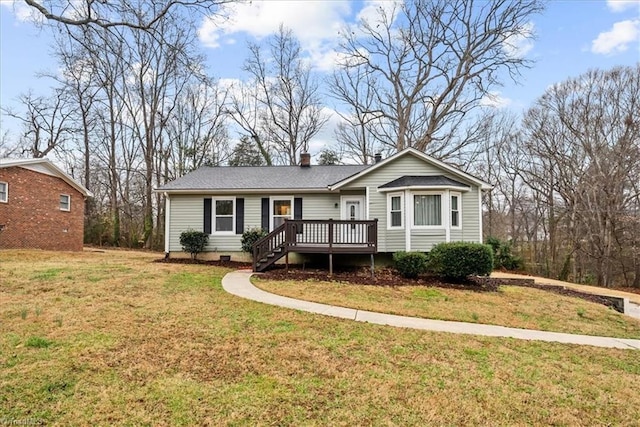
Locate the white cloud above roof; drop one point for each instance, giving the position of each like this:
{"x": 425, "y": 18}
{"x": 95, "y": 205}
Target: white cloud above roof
{"x": 622, "y": 5}
{"x": 495, "y": 100}
{"x": 316, "y": 24}
{"x": 520, "y": 43}
{"x": 618, "y": 38}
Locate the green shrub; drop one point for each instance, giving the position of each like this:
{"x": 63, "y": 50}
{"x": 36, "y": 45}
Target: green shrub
{"x": 410, "y": 264}
{"x": 502, "y": 256}
{"x": 251, "y": 236}
{"x": 458, "y": 260}
{"x": 193, "y": 242}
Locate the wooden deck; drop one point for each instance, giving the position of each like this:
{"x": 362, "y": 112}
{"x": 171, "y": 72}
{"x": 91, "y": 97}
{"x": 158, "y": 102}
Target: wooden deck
{"x": 316, "y": 236}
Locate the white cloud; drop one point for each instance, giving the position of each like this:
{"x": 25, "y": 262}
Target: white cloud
{"x": 373, "y": 9}
{"x": 311, "y": 22}
{"x": 315, "y": 24}
{"x": 618, "y": 39}
{"x": 518, "y": 44}
{"x": 622, "y": 5}
{"x": 495, "y": 100}
{"x": 22, "y": 11}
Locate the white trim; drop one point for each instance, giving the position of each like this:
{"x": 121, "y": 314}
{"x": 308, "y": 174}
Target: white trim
{"x": 6, "y": 192}
{"x": 446, "y": 219}
{"x": 167, "y": 222}
{"x": 459, "y": 196}
{"x": 443, "y": 199}
{"x": 212, "y": 191}
{"x": 7, "y": 163}
{"x": 420, "y": 155}
{"x": 424, "y": 188}
{"x": 214, "y": 216}
{"x": 367, "y": 200}
{"x": 480, "y": 215}
{"x": 408, "y": 215}
{"x": 343, "y": 202}
{"x": 402, "y": 212}
{"x": 271, "y": 200}
{"x": 68, "y": 196}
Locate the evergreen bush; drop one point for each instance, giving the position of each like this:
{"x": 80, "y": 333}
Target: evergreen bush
{"x": 458, "y": 260}
{"x": 251, "y": 236}
{"x": 193, "y": 242}
{"x": 410, "y": 264}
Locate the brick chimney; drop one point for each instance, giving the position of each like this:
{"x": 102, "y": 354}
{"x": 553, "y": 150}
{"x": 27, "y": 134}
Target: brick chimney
{"x": 378, "y": 157}
{"x": 305, "y": 160}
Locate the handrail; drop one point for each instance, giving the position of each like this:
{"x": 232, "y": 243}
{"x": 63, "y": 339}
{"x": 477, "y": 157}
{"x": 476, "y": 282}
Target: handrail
{"x": 266, "y": 243}
{"x": 316, "y": 235}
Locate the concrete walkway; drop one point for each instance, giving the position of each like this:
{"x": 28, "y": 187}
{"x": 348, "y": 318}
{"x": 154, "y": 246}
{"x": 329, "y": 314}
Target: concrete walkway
{"x": 238, "y": 283}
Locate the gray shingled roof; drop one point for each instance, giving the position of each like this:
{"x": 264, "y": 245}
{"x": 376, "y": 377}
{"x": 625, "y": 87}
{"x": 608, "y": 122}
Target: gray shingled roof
{"x": 423, "y": 181}
{"x": 262, "y": 177}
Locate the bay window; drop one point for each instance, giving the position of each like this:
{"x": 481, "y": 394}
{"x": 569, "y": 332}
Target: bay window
{"x": 427, "y": 210}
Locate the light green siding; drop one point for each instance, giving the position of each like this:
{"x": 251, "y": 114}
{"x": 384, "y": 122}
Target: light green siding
{"x": 421, "y": 240}
{"x": 187, "y": 212}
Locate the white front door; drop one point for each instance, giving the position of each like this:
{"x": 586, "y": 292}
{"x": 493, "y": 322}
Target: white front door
{"x": 353, "y": 209}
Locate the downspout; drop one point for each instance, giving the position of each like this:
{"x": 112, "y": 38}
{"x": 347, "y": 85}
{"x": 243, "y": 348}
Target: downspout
{"x": 167, "y": 225}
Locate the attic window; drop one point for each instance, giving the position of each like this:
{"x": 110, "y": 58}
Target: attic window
{"x": 65, "y": 202}
{"x": 4, "y": 192}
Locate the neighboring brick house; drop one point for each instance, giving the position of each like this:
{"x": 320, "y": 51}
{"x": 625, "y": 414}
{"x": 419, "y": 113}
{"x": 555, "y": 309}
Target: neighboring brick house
{"x": 41, "y": 207}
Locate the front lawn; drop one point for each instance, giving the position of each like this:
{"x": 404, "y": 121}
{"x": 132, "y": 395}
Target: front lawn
{"x": 113, "y": 338}
{"x": 513, "y": 306}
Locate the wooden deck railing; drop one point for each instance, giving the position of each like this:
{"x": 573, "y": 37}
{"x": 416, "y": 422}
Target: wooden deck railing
{"x": 316, "y": 236}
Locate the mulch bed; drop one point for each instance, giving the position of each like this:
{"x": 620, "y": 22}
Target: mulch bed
{"x": 390, "y": 277}
{"x": 217, "y": 263}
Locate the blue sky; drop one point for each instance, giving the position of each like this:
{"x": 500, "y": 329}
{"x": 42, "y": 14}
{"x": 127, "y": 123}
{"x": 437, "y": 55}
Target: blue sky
{"x": 573, "y": 36}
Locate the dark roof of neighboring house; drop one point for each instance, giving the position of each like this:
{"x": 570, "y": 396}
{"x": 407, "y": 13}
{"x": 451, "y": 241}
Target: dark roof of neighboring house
{"x": 314, "y": 177}
{"x": 423, "y": 181}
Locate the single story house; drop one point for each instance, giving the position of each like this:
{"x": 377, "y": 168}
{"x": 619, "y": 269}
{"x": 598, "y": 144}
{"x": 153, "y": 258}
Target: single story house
{"x": 41, "y": 207}
{"x": 406, "y": 202}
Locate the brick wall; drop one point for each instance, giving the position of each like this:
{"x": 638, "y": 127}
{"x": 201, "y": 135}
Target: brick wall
{"x": 32, "y": 217}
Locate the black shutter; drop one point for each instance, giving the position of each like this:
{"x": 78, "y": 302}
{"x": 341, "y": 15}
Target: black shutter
{"x": 239, "y": 216}
{"x": 297, "y": 208}
{"x": 265, "y": 213}
{"x": 207, "y": 216}
{"x": 297, "y": 212}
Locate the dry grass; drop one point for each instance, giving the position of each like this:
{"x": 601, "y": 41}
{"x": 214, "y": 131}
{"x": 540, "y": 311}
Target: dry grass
{"x": 512, "y": 306}
{"x": 117, "y": 339}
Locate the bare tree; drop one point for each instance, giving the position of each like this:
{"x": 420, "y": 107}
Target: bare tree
{"x": 290, "y": 110}
{"x": 429, "y": 63}
{"x": 46, "y": 123}
{"x": 133, "y": 14}
{"x": 583, "y": 146}
{"x": 197, "y": 129}
{"x": 356, "y": 87}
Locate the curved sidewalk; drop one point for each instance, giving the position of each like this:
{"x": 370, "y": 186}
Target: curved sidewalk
{"x": 238, "y": 283}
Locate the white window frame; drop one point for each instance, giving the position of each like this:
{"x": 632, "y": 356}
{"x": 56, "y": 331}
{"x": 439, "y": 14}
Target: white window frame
{"x": 214, "y": 216}
{"x": 68, "y": 196}
{"x": 273, "y": 199}
{"x": 402, "y": 215}
{"x": 443, "y": 222}
{"x": 6, "y": 192}
{"x": 453, "y": 194}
